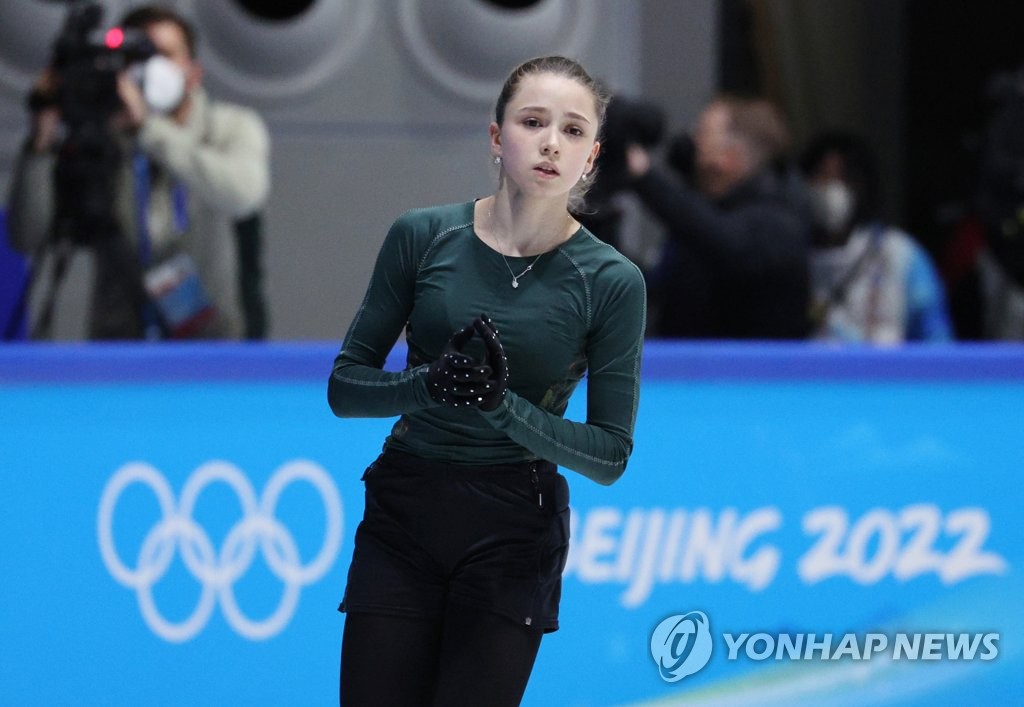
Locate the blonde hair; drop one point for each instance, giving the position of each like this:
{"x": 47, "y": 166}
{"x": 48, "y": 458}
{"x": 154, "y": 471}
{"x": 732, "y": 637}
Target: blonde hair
{"x": 759, "y": 124}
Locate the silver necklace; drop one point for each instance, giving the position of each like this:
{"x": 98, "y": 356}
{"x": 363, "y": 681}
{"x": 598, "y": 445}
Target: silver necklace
{"x": 515, "y": 278}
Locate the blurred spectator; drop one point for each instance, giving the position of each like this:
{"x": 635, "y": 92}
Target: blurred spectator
{"x": 738, "y": 228}
{"x": 160, "y": 187}
{"x": 870, "y": 281}
{"x": 1000, "y": 208}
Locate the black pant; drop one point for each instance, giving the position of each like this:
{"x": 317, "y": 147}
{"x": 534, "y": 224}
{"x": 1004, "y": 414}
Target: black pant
{"x": 469, "y": 657}
{"x": 455, "y": 576}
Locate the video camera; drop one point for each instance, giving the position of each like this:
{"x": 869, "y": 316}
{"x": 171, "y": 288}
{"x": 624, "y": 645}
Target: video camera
{"x": 87, "y": 66}
{"x": 627, "y": 121}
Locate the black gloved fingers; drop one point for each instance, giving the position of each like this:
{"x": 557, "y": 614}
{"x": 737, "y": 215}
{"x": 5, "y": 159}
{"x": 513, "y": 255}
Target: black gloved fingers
{"x": 458, "y": 360}
{"x": 460, "y": 339}
{"x": 495, "y": 351}
{"x": 470, "y": 369}
{"x": 455, "y": 379}
{"x": 467, "y": 388}
{"x": 486, "y": 319}
{"x": 487, "y": 331}
{"x": 498, "y": 384}
{"x": 446, "y": 380}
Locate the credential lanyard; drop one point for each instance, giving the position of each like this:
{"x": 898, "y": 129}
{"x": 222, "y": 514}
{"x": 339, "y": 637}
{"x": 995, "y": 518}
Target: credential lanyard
{"x": 179, "y": 204}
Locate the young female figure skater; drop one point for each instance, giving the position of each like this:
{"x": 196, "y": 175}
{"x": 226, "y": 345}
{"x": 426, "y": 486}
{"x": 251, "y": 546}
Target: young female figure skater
{"x": 456, "y": 571}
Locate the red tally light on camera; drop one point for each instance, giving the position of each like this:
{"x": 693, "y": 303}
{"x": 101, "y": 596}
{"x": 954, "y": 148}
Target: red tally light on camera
{"x": 114, "y": 38}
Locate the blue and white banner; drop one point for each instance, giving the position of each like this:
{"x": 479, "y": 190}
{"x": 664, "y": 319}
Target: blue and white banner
{"x": 798, "y": 525}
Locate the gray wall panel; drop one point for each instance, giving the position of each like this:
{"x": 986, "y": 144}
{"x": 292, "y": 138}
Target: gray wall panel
{"x": 332, "y": 205}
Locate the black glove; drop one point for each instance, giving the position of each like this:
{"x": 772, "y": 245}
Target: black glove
{"x": 497, "y": 383}
{"x": 455, "y": 379}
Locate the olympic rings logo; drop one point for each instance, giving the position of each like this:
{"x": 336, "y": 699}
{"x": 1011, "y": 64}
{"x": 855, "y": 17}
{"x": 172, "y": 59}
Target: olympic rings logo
{"x": 217, "y": 572}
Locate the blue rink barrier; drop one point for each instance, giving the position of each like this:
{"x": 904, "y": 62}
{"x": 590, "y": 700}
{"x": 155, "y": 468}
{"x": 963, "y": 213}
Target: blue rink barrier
{"x": 798, "y": 525}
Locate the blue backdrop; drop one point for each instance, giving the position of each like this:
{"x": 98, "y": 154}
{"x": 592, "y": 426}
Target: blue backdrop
{"x": 179, "y": 523}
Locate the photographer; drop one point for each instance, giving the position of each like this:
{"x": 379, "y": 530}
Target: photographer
{"x": 172, "y": 174}
{"x": 736, "y": 266}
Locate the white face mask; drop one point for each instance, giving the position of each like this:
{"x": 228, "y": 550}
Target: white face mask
{"x": 163, "y": 84}
{"x": 833, "y": 205}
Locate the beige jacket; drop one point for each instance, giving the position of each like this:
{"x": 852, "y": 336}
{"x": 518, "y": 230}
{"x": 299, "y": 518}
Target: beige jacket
{"x": 221, "y": 158}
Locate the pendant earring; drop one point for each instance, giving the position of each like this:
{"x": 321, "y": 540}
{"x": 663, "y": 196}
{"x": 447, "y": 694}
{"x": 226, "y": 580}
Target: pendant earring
{"x": 497, "y": 160}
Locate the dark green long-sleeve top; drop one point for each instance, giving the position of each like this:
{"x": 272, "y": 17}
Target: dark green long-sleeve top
{"x": 581, "y": 309}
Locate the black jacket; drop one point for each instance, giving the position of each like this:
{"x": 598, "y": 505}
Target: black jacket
{"x": 736, "y": 268}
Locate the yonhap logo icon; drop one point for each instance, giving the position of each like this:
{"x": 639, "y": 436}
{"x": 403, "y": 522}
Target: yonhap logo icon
{"x": 681, "y": 645}
{"x": 217, "y": 571}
